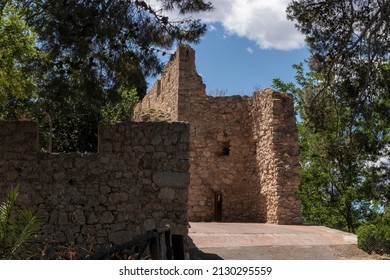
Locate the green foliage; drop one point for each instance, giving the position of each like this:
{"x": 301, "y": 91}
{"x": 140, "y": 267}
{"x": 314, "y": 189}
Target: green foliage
{"x": 74, "y": 129}
{"x": 19, "y": 57}
{"x": 122, "y": 110}
{"x": 341, "y": 143}
{"x": 375, "y": 236}
{"x": 97, "y": 47}
{"x": 344, "y": 104}
{"x": 96, "y": 54}
{"x": 15, "y": 230}
{"x": 343, "y": 34}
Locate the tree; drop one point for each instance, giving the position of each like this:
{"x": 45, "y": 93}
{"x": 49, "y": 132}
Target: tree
{"x": 374, "y": 236}
{"x": 98, "y": 49}
{"x": 343, "y": 34}
{"x": 344, "y": 103}
{"x": 102, "y": 45}
{"x": 19, "y": 57}
{"x": 341, "y": 183}
{"x": 121, "y": 111}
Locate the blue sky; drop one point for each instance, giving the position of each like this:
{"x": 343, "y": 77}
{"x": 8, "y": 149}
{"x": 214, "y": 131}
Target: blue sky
{"x": 247, "y": 45}
{"x": 238, "y": 65}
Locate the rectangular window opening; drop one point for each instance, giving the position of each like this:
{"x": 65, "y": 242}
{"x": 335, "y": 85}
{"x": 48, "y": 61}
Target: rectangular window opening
{"x": 224, "y": 149}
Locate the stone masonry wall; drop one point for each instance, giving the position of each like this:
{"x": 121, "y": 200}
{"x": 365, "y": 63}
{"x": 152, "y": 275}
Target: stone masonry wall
{"x": 136, "y": 182}
{"x": 272, "y": 114}
{"x": 222, "y": 155}
{"x": 222, "y": 160}
{"x": 161, "y": 103}
{"x": 242, "y": 149}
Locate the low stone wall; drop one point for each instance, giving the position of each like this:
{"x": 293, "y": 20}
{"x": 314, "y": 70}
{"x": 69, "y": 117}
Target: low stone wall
{"x": 137, "y": 181}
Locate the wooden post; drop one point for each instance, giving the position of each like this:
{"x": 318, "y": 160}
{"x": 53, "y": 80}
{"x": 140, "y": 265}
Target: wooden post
{"x": 154, "y": 248}
{"x": 163, "y": 247}
{"x": 168, "y": 244}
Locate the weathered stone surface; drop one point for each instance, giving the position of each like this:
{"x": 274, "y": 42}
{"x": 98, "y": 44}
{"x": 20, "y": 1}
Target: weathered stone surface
{"x": 78, "y": 217}
{"x": 149, "y": 224}
{"x": 92, "y": 219}
{"x": 106, "y": 218}
{"x": 119, "y": 237}
{"x": 63, "y": 219}
{"x": 171, "y": 179}
{"x": 100, "y": 198}
{"x": 166, "y": 194}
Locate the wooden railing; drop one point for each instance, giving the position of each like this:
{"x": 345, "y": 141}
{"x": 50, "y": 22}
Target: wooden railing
{"x": 156, "y": 244}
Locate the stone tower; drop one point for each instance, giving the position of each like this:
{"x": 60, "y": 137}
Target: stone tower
{"x": 243, "y": 150}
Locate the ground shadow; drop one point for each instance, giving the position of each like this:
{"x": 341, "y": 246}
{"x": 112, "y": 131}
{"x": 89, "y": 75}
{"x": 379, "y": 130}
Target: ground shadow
{"x": 197, "y": 254}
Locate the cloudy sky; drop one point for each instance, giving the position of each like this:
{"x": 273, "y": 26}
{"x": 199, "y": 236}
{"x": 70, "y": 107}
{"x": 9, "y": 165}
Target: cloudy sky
{"x": 248, "y": 43}
{"x": 262, "y": 21}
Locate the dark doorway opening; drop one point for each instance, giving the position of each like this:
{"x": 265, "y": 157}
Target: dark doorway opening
{"x": 218, "y": 206}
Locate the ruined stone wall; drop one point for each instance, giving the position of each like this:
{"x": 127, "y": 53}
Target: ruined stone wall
{"x": 222, "y": 160}
{"x": 161, "y": 102}
{"x": 273, "y": 119}
{"x": 243, "y": 149}
{"x": 168, "y": 100}
{"x": 137, "y": 181}
{"x": 216, "y": 123}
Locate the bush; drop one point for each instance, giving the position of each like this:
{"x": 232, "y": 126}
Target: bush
{"x": 375, "y": 237}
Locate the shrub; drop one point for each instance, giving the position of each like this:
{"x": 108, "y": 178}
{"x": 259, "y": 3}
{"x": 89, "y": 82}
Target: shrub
{"x": 375, "y": 237}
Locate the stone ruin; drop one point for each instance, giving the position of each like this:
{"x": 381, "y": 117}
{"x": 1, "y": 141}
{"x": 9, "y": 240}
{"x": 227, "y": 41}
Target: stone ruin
{"x": 244, "y": 164}
{"x": 192, "y": 158}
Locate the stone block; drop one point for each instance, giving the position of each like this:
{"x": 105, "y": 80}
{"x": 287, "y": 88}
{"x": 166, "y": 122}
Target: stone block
{"x": 78, "y": 217}
{"x": 92, "y": 219}
{"x": 63, "y": 218}
{"x": 171, "y": 179}
{"x": 119, "y": 237}
{"x": 166, "y": 194}
{"x": 148, "y": 224}
{"x": 106, "y": 218}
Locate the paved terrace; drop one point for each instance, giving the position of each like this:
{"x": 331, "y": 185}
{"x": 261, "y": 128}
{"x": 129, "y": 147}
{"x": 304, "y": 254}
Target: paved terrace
{"x": 269, "y": 241}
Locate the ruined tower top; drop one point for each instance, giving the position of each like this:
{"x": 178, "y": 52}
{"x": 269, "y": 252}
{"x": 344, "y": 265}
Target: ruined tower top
{"x": 171, "y": 94}
{"x": 184, "y": 55}
{"x": 189, "y": 81}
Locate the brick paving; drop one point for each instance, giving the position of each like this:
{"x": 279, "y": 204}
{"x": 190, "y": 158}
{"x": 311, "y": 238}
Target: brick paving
{"x": 230, "y": 235}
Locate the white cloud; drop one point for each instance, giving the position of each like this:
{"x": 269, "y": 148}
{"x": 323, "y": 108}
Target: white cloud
{"x": 262, "y": 21}
{"x": 249, "y": 50}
